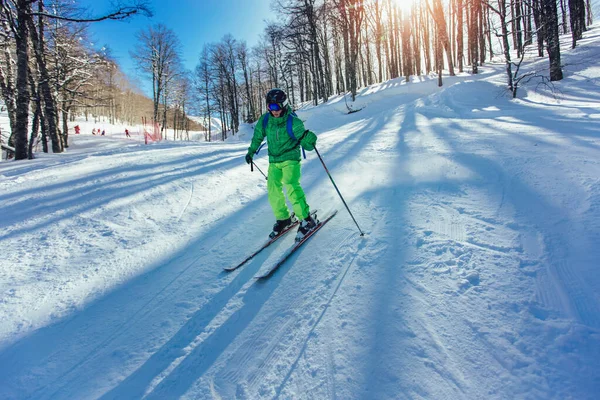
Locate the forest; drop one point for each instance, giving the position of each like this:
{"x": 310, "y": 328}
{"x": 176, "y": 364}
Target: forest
{"x": 51, "y": 72}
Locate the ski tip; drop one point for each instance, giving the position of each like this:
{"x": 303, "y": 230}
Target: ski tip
{"x": 329, "y": 215}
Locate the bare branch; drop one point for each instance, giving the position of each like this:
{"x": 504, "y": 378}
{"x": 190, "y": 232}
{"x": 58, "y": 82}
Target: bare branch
{"x": 121, "y": 13}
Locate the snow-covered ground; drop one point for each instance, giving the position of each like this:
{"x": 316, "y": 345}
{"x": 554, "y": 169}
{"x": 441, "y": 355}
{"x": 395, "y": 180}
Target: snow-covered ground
{"x": 477, "y": 277}
{"x": 216, "y": 130}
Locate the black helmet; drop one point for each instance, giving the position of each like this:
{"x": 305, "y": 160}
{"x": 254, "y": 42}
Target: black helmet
{"x": 276, "y": 100}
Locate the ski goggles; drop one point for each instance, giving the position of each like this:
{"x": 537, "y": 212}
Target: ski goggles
{"x": 274, "y": 107}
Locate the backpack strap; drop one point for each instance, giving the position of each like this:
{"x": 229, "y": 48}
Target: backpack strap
{"x": 261, "y": 146}
{"x": 290, "y": 130}
{"x": 264, "y": 124}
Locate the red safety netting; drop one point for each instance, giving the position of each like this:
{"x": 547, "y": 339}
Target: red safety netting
{"x": 151, "y": 131}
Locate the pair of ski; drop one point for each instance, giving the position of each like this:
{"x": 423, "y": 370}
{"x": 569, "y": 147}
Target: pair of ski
{"x": 269, "y": 271}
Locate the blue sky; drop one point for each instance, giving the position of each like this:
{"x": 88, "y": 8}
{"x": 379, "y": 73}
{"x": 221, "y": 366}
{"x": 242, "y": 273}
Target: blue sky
{"x": 195, "y": 22}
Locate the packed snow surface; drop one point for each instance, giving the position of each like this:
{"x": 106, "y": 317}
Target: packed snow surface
{"x": 477, "y": 277}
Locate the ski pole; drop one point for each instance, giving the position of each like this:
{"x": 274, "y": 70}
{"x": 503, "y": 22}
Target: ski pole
{"x": 338, "y": 192}
{"x": 252, "y": 169}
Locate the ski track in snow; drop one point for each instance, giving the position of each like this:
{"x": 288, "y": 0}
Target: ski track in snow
{"x": 476, "y": 278}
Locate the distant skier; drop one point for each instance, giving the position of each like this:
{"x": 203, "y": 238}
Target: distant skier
{"x": 77, "y": 129}
{"x": 285, "y": 134}
{"x": 102, "y": 132}
{"x": 127, "y": 133}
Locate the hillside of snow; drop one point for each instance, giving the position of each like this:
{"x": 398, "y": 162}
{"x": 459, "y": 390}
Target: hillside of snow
{"x": 476, "y": 279}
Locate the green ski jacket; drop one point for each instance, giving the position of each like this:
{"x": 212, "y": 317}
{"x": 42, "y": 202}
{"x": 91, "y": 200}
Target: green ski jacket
{"x": 281, "y": 146}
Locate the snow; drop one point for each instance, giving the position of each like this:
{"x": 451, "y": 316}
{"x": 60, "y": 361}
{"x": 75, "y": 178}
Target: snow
{"x": 477, "y": 276}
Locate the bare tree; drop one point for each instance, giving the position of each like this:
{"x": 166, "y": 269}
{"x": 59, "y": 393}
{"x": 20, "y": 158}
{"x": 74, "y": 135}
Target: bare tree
{"x": 437, "y": 13}
{"x": 20, "y": 19}
{"x": 351, "y": 14}
{"x": 577, "y": 9}
{"x": 157, "y": 54}
{"x": 322, "y": 46}
{"x": 242, "y": 55}
{"x": 181, "y": 95}
{"x": 202, "y": 84}
{"x": 501, "y": 12}
{"x": 459, "y": 11}
{"x": 550, "y": 21}
{"x": 231, "y": 61}
{"x": 7, "y": 64}
{"x": 70, "y": 63}
{"x": 374, "y": 15}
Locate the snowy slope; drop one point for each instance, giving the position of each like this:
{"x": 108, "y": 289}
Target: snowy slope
{"x": 476, "y": 279}
{"x": 216, "y": 130}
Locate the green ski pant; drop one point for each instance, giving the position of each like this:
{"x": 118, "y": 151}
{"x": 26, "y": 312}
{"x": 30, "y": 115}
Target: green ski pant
{"x": 286, "y": 173}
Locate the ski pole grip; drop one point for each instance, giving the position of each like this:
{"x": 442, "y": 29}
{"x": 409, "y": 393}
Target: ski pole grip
{"x": 251, "y": 166}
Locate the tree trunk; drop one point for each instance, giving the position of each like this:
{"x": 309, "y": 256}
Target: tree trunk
{"x": 539, "y": 26}
{"x": 426, "y": 42}
{"x": 460, "y": 49}
{"x": 251, "y": 111}
{"x": 36, "y": 116}
{"x": 378, "y": 35}
{"x": 564, "y": 16}
{"x": 439, "y": 57}
{"x": 473, "y": 36}
{"x": 416, "y": 46}
{"x": 518, "y": 24}
{"x": 506, "y": 43}
{"x": 19, "y": 135}
{"x": 406, "y": 48}
{"x": 438, "y": 15}
{"x": 324, "y": 48}
{"x": 391, "y": 44}
{"x": 65, "y": 122}
{"x": 7, "y": 78}
{"x": 577, "y": 19}
{"x": 527, "y": 22}
{"x": 50, "y": 109}
{"x": 552, "y": 38}
{"x": 482, "y": 26}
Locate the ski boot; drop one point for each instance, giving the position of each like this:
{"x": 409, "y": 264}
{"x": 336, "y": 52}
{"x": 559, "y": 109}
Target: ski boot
{"x": 281, "y": 225}
{"x": 307, "y": 225}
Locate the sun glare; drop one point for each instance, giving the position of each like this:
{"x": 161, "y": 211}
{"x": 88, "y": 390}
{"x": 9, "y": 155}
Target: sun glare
{"x": 405, "y": 5}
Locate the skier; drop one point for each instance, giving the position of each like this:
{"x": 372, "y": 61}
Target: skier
{"x": 284, "y": 139}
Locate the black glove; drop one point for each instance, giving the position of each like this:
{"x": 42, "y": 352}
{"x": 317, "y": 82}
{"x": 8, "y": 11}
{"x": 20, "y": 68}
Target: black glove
{"x": 248, "y": 158}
